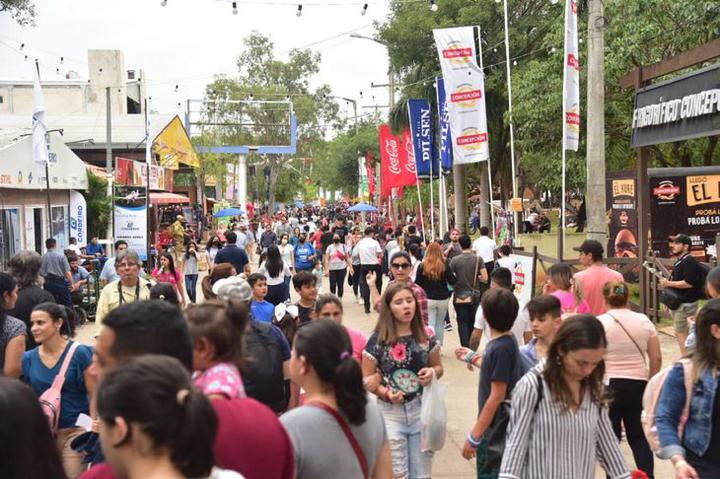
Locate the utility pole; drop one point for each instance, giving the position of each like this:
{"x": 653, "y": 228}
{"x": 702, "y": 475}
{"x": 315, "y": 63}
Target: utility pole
{"x": 595, "y": 194}
{"x": 108, "y": 159}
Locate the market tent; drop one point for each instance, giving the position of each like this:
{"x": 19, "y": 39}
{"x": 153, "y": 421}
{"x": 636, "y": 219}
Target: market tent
{"x": 162, "y": 198}
{"x": 362, "y": 208}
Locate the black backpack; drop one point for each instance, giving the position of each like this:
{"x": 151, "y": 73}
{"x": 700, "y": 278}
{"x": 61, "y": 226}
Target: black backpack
{"x": 263, "y": 372}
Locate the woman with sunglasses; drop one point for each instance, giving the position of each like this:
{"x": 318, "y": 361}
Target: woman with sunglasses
{"x": 401, "y": 269}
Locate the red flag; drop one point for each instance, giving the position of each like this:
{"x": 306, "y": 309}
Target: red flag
{"x": 369, "y": 160}
{"x": 390, "y": 170}
{"x": 408, "y": 177}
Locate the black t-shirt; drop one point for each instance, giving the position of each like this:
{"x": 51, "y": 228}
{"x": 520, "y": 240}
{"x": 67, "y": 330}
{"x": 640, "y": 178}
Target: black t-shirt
{"x": 27, "y": 299}
{"x": 325, "y": 240}
{"x": 303, "y": 313}
{"x": 501, "y": 362}
{"x": 410, "y": 239}
{"x": 688, "y": 269}
{"x": 341, "y": 231}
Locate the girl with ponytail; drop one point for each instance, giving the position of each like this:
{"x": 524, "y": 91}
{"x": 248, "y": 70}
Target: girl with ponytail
{"x": 337, "y": 421}
{"x": 561, "y": 284}
{"x": 154, "y": 424}
{"x": 217, "y": 333}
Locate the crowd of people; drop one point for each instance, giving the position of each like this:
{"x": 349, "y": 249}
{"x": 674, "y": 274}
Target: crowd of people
{"x": 229, "y": 377}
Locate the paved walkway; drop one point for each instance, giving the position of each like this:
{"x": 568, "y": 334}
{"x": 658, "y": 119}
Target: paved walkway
{"x": 462, "y": 394}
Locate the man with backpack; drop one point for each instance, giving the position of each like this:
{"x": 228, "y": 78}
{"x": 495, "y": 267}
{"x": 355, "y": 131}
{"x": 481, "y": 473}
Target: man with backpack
{"x": 686, "y": 286}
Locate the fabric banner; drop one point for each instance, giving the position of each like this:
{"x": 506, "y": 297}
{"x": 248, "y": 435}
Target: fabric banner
{"x": 369, "y": 165}
{"x": 78, "y": 218}
{"x": 445, "y": 146}
{"x": 465, "y": 87}
{"x": 134, "y": 173}
{"x": 173, "y": 145}
{"x": 130, "y": 217}
{"x": 571, "y": 83}
{"x": 363, "y": 190}
{"x": 39, "y": 129}
{"x": 423, "y": 138}
{"x": 523, "y": 274}
{"x": 408, "y": 175}
{"x": 389, "y": 161}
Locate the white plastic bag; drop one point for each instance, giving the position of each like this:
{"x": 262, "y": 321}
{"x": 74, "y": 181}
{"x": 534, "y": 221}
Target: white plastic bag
{"x": 433, "y": 416}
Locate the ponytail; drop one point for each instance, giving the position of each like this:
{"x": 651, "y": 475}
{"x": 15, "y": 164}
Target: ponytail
{"x": 59, "y": 312}
{"x": 328, "y": 349}
{"x": 154, "y": 392}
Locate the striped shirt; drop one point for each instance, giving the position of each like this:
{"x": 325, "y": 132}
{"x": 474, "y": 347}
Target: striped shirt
{"x": 558, "y": 444}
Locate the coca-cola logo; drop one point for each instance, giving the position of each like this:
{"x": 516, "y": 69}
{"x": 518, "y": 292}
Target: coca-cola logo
{"x": 391, "y": 148}
{"x": 410, "y": 164}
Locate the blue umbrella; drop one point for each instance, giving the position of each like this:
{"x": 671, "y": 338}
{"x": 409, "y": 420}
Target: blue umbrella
{"x": 229, "y": 212}
{"x": 362, "y": 208}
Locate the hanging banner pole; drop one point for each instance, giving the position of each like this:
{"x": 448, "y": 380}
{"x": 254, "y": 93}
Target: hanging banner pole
{"x": 510, "y": 117}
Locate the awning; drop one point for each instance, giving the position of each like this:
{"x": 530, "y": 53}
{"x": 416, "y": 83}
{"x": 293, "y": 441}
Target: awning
{"x": 167, "y": 198}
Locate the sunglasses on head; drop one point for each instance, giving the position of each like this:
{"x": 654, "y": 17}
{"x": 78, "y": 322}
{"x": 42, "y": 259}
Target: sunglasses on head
{"x": 400, "y": 265}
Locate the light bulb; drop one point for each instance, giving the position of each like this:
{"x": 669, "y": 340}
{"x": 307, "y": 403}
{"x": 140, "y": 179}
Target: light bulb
{"x": 234, "y": 9}
{"x": 515, "y": 63}
{"x": 299, "y": 11}
{"x": 364, "y": 9}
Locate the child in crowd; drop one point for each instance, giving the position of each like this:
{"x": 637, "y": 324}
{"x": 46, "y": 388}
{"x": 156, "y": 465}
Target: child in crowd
{"x": 507, "y": 261}
{"x": 216, "y": 332}
{"x": 285, "y": 318}
{"x": 545, "y": 318}
{"x": 260, "y": 309}
{"x": 165, "y": 292}
{"x": 318, "y": 272}
{"x": 305, "y": 284}
{"x": 502, "y": 367}
{"x": 561, "y": 284}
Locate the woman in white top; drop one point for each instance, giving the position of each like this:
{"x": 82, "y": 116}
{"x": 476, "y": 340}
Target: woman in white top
{"x": 559, "y": 424}
{"x": 212, "y": 247}
{"x": 633, "y": 355}
{"x": 275, "y": 271}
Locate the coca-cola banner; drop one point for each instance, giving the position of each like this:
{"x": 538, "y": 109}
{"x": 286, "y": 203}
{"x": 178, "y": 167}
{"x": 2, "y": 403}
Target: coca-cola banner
{"x": 465, "y": 89}
{"x": 408, "y": 172}
{"x": 389, "y": 161}
{"x": 369, "y": 165}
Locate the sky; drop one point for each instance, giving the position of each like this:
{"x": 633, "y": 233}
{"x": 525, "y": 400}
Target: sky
{"x": 186, "y": 42}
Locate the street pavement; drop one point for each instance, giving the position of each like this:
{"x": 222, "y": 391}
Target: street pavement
{"x": 461, "y": 400}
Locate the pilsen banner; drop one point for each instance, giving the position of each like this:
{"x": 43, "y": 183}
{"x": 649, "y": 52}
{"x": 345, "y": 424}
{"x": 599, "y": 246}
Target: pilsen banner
{"x": 679, "y": 109}
{"x": 465, "y": 85}
{"x": 394, "y": 165}
{"x": 571, "y": 79}
{"x": 445, "y": 147}
{"x": 423, "y": 138}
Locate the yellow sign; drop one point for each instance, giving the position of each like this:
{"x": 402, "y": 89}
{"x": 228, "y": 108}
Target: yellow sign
{"x": 703, "y": 189}
{"x": 173, "y": 146}
{"x": 516, "y": 205}
{"x": 623, "y": 188}
{"x": 210, "y": 180}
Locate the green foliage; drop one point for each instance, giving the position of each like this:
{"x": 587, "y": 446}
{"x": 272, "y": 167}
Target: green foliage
{"x": 22, "y": 11}
{"x": 637, "y": 32}
{"x": 99, "y": 206}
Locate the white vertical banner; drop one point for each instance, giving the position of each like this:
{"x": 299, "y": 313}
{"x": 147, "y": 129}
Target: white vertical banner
{"x": 465, "y": 90}
{"x": 39, "y": 129}
{"x": 78, "y": 217}
{"x": 571, "y": 79}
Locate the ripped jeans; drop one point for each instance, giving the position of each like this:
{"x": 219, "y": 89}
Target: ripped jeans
{"x": 402, "y": 422}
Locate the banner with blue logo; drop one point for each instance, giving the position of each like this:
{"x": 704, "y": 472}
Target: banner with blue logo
{"x": 445, "y": 146}
{"x": 423, "y": 138}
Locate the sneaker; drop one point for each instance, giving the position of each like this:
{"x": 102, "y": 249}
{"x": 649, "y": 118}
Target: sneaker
{"x": 448, "y": 327}
{"x": 360, "y": 301}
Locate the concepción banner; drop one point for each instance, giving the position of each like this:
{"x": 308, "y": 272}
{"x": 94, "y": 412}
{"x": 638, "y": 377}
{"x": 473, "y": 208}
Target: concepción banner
{"x": 423, "y": 138}
{"x": 465, "y": 87}
{"x": 571, "y": 79}
{"x": 130, "y": 217}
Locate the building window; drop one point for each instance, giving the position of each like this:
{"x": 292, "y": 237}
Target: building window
{"x": 9, "y": 234}
{"x": 60, "y": 226}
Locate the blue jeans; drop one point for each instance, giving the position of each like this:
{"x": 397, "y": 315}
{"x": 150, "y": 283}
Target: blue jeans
{"x": 402, "y": 422}
{"x": 191, "y": 286}
{"x": 437, "y": 310}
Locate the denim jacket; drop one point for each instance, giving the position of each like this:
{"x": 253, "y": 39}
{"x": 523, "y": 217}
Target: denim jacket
{"x": 696, "y": 436}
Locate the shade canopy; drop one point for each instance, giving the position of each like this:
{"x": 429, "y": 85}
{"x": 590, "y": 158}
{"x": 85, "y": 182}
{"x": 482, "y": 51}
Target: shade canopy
{"x": 362, "y": 208}
{"x": 229, "y": 212}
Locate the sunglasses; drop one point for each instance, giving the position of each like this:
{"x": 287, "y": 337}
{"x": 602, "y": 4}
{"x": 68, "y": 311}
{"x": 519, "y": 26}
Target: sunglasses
{"x": 400, "y": 265}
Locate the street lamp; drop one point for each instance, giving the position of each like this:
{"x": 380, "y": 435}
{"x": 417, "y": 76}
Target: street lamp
{"x": 391, "y": 75}
{"x": 354, "y": 104}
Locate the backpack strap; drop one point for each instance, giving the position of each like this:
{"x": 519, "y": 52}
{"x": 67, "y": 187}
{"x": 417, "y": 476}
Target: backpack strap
{"x": 348, "y": 433}
{"x": 60, "y": 378}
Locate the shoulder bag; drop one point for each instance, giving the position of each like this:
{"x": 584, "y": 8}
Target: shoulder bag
{"x": 50, "y": 400}
{"x": 630, "y": 336}
{"x": 359, "y": 454}
{"x": 475, "y": 295}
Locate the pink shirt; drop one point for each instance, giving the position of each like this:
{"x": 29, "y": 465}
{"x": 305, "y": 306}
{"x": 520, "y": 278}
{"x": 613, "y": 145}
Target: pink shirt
{"x": 592, "y": 279}
{"x": 358, "y": 340}
{"x": 623, "y": 360}
{"x": 223, "y": 379}
{"x": 568, "y": 303}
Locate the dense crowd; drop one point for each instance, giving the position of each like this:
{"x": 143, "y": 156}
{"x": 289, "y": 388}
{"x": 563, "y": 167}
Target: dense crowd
{"x": 246, "y": 383}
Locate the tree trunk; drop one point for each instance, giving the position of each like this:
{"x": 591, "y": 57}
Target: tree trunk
{"x": 460, "y": 197}
{"x": 484, "y": 197}
{"x": 709, "y": 150}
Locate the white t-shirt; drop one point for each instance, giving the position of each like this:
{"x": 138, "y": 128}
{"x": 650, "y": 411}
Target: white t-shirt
{"x": 75, "y": 249}
{"x": 286, "y": 251}
{"x": 368, "y": 250}
{"x": 280, "y": 279}
{"x": 485, "y": 248}
{"x": 508, "y": 262}
{"x": 520, "y": 326}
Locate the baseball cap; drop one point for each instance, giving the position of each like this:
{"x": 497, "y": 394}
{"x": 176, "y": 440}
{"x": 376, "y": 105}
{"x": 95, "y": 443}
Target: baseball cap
{"x": 682, "y": 239}
{"x": 234, "y": 287}
{"x": 590, "y": 246}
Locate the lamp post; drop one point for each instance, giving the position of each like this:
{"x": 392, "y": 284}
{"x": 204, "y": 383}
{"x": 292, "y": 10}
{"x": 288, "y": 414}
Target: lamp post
{"x": 391, "y": 74}
{"x": 354, "y": 104}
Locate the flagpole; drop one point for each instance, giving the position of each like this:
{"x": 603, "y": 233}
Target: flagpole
{"x": 422, "y": 221}
{"x": 561, "y": 233}
{"x": 148, "y": 163}
{"x": 512, "y": 154}
{"x": 432, "y": 203}
{"x": 510, "y": 118}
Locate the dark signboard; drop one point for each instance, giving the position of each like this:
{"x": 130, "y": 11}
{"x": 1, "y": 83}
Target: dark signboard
{"x": 684, "y": 200}
{"x": 679, "y": 109}
{"x": 622, "y": 215}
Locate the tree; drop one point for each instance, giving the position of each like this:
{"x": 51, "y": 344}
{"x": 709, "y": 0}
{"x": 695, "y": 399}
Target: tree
{"x": 98, "y": 206}
{"x": 261, "y": 76}
{"x": 22, "y": 11}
